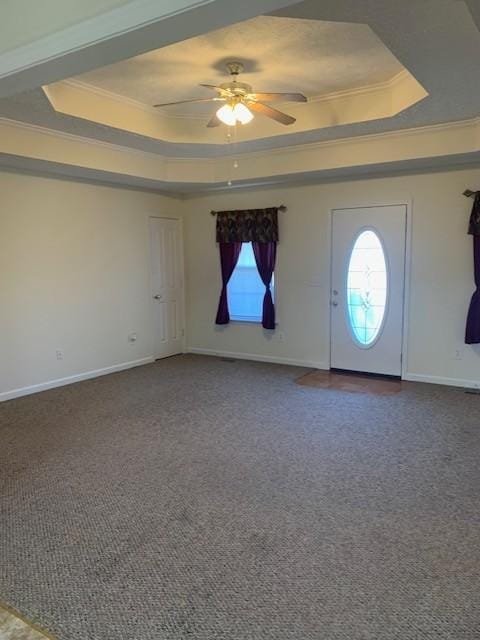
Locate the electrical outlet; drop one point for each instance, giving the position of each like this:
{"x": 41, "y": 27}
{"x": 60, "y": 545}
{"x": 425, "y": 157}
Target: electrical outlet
{"x": 132, "y": 337}
{"x": 59, "y": 354}
{"x": 458, "y": 355}
{"x": 280, "y": 336}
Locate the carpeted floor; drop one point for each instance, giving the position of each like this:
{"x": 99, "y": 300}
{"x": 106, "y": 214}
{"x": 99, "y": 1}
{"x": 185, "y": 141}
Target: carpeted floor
{"x": 203, "y": 499}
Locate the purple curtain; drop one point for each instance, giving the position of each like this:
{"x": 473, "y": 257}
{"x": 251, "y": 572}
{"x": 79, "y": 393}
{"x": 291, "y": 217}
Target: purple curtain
{"x": 265, "y": 254}
{"x": 472, "y": 333}
{"x": 229, "y": 253}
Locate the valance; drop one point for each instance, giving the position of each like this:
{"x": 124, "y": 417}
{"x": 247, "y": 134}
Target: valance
{"x": 249, "y": 225}
{"x": 474, "y": 227}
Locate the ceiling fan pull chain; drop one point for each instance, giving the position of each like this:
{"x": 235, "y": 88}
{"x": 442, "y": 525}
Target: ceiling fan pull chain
{"x": 232, "y": 140}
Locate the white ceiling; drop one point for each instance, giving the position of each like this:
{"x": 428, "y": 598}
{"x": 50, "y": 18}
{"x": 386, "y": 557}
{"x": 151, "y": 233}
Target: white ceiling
{"x": 437, "y": 41}
{"x": 279, "y": 54}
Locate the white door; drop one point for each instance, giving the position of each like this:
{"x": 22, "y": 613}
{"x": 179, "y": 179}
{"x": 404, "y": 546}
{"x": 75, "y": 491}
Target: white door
{"x": 368, "y": 276}
{"x": 167, "y": 286}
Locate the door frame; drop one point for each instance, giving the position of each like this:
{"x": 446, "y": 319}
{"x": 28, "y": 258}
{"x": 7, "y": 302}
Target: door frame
{"x": 182, "y": 263}
{"x": 408, "y": 204}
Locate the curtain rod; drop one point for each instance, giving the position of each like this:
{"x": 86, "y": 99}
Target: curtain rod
{"x": 282, "y": 207}
{"x": 469, "y": 193}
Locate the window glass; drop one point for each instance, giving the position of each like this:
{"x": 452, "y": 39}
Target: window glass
{"x": 367, "y": 287}
{"x": 246, "y": 289}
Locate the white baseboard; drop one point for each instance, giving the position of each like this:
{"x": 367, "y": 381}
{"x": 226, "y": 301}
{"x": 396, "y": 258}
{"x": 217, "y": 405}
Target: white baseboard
{"x": 449, "y": 382}
{"x": 412, "y": 377}
{"x": 258, "y": 358}
{"x": 60, "y": 382}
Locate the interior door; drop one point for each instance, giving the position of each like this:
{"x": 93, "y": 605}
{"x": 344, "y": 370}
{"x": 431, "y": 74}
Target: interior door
{"x": 367, "y": 289}
{"x": 167, "y": 286}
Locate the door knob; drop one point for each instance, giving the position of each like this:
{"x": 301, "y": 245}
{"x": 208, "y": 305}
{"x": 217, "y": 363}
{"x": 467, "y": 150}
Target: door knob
{"x": 157, "y": 297}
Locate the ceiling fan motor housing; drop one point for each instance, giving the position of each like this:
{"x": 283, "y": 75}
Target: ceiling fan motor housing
{"x": 234, "y": 68}
{"x": 238, "y": 88}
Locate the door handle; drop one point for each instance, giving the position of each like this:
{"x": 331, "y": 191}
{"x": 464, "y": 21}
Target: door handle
{"x": 157, "y": 297}
{"x": 334, "y": 303}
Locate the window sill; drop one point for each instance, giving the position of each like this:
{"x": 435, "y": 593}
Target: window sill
{"x": 245, "y": 320}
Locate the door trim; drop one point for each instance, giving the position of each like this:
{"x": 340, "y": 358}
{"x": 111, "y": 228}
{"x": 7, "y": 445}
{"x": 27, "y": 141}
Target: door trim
{"x": 182, "y": 264}
{"x": 408, "y": 204}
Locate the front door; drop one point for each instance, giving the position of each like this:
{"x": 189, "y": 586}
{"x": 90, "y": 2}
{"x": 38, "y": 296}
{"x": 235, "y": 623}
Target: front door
{"x": 367, "y": 289}
{"x": 167, "y": 286}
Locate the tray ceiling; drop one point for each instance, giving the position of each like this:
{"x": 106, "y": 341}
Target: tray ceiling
{"x": 345, "y": 70}
{"x": 357, "y": 77}
{"x": 279, "y": 54}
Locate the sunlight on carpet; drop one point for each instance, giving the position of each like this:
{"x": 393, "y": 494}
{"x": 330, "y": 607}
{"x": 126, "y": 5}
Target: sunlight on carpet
{"x": 349, "y": 382}
{"x": 13, "y": 627}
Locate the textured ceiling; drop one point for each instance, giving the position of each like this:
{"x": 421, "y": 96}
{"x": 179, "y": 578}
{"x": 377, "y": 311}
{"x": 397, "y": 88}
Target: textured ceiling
{"x": 436, "y": 40}
{"x": 280, "y": 54}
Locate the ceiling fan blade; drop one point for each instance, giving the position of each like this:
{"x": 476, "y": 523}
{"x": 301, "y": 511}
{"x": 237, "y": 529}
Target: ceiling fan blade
{"x": 213, "y": 122}
{"x": 284, "y": 97}
{"x": 221, "y": 90}
{"x": 270, "y": 112}
{"x": 195, "y": 100}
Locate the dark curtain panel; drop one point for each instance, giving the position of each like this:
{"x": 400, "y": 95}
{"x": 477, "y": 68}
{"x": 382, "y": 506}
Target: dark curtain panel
{"x": 265, "y": 254}
{"x": 472, "y": 333}
{"x": 229, "y": 253}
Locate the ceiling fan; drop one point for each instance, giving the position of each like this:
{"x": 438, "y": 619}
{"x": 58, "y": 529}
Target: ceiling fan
{"x": 240, "y": 101}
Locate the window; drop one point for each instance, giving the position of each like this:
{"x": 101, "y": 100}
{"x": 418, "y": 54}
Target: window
{"x": 367, "y": 288}
{"x": 246, "y": 289}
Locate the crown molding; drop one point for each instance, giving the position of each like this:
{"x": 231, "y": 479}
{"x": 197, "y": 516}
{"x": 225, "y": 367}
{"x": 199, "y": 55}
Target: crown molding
{"x": 117, "y": 97}
{"x": 471, "y": 126}
{"x": 79, "y": 99}
{"x": 136, "y": 14}
{"x": 386, "y": 85}
{"x": 434, "y": 145}
{"x": 72, "y": 137}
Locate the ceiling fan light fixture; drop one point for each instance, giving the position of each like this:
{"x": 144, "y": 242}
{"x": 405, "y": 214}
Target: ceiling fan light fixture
{"x": 242, "y": 113}
{"x": 226, "y": 115}
{"x": 231, "y": 114}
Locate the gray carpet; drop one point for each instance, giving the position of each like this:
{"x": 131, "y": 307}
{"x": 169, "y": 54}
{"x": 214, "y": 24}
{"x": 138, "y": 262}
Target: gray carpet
{"x": 197, "y": 498}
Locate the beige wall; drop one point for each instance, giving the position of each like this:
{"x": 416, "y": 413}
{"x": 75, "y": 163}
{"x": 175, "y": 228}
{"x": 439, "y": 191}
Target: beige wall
{"x": 441, "y": 272}
{"x": 74, "y": 275}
